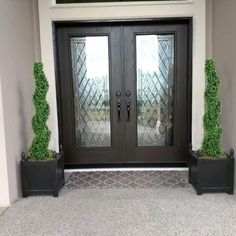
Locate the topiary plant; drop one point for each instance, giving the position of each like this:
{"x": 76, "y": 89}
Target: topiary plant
{"x": 211, "y": 146}
{"x": 39, "y": 147}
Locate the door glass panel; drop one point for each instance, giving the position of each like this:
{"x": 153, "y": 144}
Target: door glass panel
{"x": 155, "y": 84}
{"x": 90, "y": 69}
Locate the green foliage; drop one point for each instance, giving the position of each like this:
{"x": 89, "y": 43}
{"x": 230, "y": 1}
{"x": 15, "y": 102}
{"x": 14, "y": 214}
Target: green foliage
{"x": 39, "y": 147}
{"x": 211, "y": 143}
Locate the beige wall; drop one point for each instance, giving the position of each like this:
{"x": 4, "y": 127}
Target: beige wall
{"x": 4, "y": 189}
{"x": 224, "y": 52}
{"x": 209, "y": 18}
{"x": 16, "y": 58}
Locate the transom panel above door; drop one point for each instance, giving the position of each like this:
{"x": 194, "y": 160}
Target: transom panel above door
{"x": 123, "y": 92}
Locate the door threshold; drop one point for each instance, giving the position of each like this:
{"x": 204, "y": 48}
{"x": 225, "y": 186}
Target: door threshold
{"x": 127, "y": 169}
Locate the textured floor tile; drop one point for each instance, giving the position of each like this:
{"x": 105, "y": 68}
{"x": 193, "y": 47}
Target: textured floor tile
{"x": 126, "y": 179}
{"x": 2, "y": 209}
{"x": 67, "y": 175}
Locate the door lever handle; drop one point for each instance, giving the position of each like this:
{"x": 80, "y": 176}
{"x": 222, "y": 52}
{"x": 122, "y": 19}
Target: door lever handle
{"x": 128, "y": 103}
{"x": 118, "y": 104}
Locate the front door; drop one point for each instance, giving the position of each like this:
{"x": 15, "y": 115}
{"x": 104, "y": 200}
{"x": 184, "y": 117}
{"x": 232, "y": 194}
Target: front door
{"x": 123, "y": 92}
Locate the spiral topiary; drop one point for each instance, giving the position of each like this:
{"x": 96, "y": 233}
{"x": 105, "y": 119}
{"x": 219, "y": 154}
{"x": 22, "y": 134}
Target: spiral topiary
{"x": 39, "y": 147}
{"x": 211, "y": 146}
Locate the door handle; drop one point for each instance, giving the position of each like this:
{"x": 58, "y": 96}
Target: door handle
{"x": 118, "y": 104}
{"x": 128, "y": 103}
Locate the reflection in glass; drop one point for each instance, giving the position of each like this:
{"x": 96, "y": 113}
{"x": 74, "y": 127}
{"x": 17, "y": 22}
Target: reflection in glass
{"x": 155, "y": 79}
{"x": 90, "y": 69}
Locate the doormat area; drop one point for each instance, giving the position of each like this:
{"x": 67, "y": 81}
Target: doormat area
{"x": 126, "y": 179}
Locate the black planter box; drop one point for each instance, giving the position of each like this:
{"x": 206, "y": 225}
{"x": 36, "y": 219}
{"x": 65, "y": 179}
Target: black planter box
{"x": 42, "y": 177}
{"x": 208, "y": 175}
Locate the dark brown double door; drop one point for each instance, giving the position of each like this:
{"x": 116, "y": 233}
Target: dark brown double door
{"x": 123, "y": 92}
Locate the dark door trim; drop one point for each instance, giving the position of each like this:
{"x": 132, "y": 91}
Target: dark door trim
{"x": 186, "y": 20}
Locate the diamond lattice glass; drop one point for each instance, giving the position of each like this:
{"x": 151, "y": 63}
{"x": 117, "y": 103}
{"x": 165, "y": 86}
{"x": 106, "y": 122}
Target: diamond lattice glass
{"x": 155, "y": 81}
{"x": 90, "y": 69}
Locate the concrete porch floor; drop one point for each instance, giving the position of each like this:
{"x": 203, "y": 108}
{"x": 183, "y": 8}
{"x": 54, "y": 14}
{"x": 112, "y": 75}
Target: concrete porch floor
{"x": 163, "y": 211}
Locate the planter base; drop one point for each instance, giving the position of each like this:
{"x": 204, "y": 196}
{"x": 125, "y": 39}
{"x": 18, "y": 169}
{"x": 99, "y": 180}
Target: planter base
{"x": 211, "y": 175}
{"x": 42, "y": 177}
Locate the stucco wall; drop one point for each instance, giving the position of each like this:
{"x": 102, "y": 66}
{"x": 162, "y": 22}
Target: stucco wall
{"x": 4, "y": 190}
{"x": 209, "y": 19}
{"x": 16, "y": 58}
{"x": 224, "y": 52}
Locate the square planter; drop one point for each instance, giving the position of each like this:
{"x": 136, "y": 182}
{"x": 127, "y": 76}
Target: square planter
{"x": 42, "y": 177}
{"x": 208, "y": 175}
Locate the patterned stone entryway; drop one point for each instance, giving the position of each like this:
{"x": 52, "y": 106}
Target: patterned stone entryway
{"x": 126, "y": 179}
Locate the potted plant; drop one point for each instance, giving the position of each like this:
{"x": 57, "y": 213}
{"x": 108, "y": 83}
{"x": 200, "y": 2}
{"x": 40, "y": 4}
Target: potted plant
{"x": 43, "y": 170}
{"x": 210, "y": 168}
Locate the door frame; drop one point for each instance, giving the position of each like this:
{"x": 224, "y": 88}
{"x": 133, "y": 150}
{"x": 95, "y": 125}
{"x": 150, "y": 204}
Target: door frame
{"x": 186, "y": 20}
